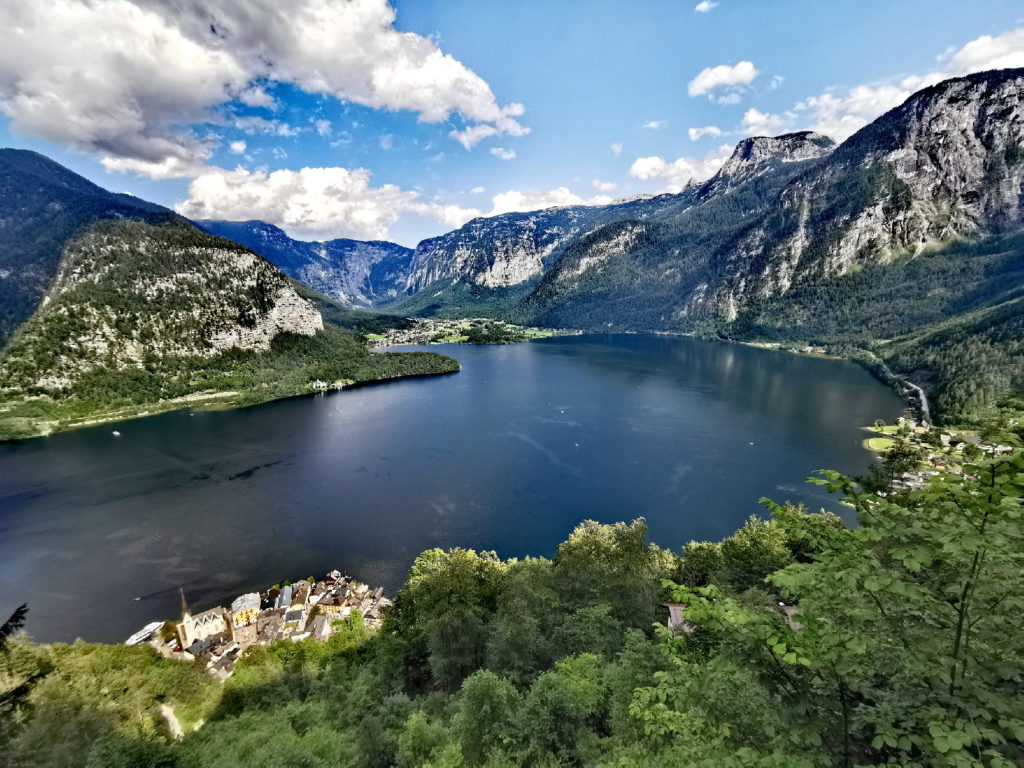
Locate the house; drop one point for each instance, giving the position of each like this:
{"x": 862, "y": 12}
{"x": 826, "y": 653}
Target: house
{"x": 300, "y": 596}
{"x": 284, "y": 600}
{"x": 245, "y": 610}
{"x": 331, "y": 606}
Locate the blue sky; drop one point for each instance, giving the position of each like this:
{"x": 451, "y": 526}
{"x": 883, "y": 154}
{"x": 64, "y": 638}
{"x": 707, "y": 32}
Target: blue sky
{"x": 159, "y": 107}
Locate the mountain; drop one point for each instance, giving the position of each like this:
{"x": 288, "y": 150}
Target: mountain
{"x": 489, "y": 264}
{"x": 781, "y": 211}
{"x": 355, "y": 272}
{"x": 42, "y": 204}
{"x": 131, "y": 309}
{"x": 773, "y": 246}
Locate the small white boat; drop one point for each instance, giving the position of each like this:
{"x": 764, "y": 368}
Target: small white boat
{"x": 116, "y": 433}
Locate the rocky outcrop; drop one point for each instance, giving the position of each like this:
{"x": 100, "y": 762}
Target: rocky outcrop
{"x": 763, "y": 154}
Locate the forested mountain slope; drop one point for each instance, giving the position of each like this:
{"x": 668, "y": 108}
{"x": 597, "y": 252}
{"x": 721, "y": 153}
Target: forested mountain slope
{"x": 42, "y": 205}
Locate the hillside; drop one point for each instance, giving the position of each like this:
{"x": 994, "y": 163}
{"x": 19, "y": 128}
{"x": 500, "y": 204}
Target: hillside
{"x": 43, "y": 204}
{"x": 144, "y": 313}
{"x": 358, "y": 273}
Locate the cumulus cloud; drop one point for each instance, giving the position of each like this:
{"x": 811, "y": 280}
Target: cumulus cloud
{"x": 678, "y": 173}
{"x": 603, "y": 186}
{"x": 323, "y": 127}
{"x": 722, "y": 75}
{"x": 533, "y": 199}
{"x": 237, "y": 147}
{"x": 704, "y": 6}
{"x": 1004, "y": 51}
{"x": 708, "y": 130}
{"x": 145, "y": 70}
{"x": 617, "y": 148}
{"x": 654, "y": 125}
{"x": 477, "y": 190}
{"x": 840, "y": 113}
{"x": 387, "y": 141}
{"x": 311, "y": 203}
{"x": 503, "y": 154}
{"x": 757, "y": 123}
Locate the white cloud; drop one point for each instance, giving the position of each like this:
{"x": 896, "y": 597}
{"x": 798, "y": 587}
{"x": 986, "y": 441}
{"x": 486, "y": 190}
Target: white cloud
{"x": 312, "y": 203}
{"x": 603, "y": 186}
{"x": 722, "y": 75}
{"x": 757, "y": 123}
{"x": 237, "y": 147}
{"x": 679, "y": 172}
{"x": 841, "y": 113}
{"x": 655, "y": 125}
{"x": 776, "y": 82}
{"x": 503, "y": 154}
{"x": 253, "y": 125}
{"x": 256, "y": 96}
{"x": 708, "y": 130}
{"x": 473, "y": 135}
{"x": 124, "y": 79}
{"x": 323, "y": 127}
{"x": 704, "y": 6}
{"x": 617, "y": 148}
{"x": 1005, "y": 51}
{"x": 387, "y": 141}
{"x": 532, "y": 200}
{"x": 477, "y": 190}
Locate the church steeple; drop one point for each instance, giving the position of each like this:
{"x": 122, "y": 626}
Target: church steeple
{"x": 185, "y": 614}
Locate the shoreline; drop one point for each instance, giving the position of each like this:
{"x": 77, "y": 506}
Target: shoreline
{"x": 198, "y": 402}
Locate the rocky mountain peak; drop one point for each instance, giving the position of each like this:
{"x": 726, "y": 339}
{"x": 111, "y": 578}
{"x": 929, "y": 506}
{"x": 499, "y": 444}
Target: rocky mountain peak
{"x": 754, "y": 153}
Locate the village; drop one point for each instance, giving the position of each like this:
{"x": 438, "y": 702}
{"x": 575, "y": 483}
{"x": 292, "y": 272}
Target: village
{"x": 932, "y": 449}
{"x": 475, "y": 330}
{"x": 306, "y": 609}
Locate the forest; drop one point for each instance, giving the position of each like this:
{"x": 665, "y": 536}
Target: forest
{"x": 803, "y": 642}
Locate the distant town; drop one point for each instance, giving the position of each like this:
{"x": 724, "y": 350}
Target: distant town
{"x": 475, "y": 330}
{"x": 217, "y": 637}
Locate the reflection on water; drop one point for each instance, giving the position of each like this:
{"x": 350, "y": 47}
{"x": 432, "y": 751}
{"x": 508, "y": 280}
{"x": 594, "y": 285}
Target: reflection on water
{"x": 507, "y": 455}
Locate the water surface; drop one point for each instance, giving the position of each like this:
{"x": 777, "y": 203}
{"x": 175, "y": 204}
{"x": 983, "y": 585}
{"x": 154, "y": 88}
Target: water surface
{"x": 510, "y": 454}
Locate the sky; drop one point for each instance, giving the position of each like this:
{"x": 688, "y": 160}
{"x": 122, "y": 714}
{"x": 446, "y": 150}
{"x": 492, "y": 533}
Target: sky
{"x": 403, "y": 120}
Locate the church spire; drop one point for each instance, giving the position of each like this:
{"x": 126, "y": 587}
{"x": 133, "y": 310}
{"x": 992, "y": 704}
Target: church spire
{"x": 184, "y": 604}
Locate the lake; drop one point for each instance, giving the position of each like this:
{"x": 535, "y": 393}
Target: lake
{"x": 509, "y": 454}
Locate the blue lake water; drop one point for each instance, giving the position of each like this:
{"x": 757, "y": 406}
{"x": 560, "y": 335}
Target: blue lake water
{"x": 509, "y": 454}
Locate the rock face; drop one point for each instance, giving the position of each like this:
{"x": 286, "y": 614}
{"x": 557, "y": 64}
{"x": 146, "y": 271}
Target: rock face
{"x": 948, "y": 163}
{"x": 515, "y": 250}
{"x": 130, "y": 292}
{"x": 764, "y": 154}
{"x": 357, "y": 273}
{"x": 497, "y": 252}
